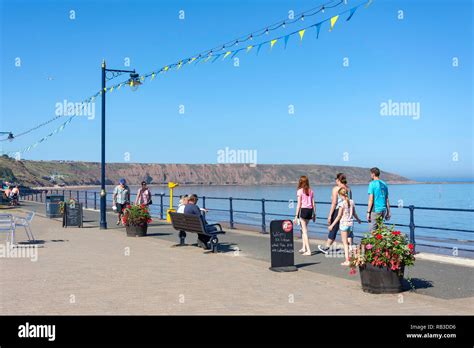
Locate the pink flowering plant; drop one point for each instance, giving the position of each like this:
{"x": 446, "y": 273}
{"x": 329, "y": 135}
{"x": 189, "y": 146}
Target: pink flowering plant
{"x": 384, "y": 247}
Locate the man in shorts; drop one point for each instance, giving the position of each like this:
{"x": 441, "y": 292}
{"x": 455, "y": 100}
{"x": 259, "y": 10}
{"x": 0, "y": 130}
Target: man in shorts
{"x": 121, "y": 198}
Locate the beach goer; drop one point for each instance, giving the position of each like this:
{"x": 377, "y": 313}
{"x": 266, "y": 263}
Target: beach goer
{"x": 183, "y": 200}
{"x": 143, "y": 195}
{"x": 305, "y": 211}
{"x": 121, "y": 198}
{"x": 336, "y": 203}
{"x": 7, "y": 192}
{"x": 379, "y": 205}
{"x": 15, "y": 195}
{"x": 345, "y": 221}
{"x": 192, "y": 208}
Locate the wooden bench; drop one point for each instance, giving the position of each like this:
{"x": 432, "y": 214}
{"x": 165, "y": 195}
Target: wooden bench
{"x": 193, "y": 223}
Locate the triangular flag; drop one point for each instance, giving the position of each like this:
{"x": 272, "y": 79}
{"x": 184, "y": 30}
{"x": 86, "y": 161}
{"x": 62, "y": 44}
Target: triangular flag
{"x": 119, "y": 86}
{"x": 105, "y": 89}
{"x": 235, "y": 53}
{"x": 333, "y": 21}
{"x": 111, "y": 89}
{"x": 318, "y": 28}
{"x": 152, "y": 76}
{"x": 249, "y": 47}
{"x": 142, "y": 78}
{"x": 179, "y": 64}
{"x": 166, "y": 68}
{"x": 259, "y": 47}
{"x": 216, "y": 58}
{"x": 226, "y": 54}
{"x": 368, "y": 3}
{"x": 208, "y": 57}
{"x": 301, "y": 32}
{"x": 286, "y": 40}
{"x": 351, "y": 13}
{"x": 272, "y": 43}
{"x": 192, "y": 60}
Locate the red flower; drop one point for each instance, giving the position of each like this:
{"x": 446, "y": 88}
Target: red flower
{"x": 352, "y": 271}
{"x": 379, "y": 236}
{"x": 396, "y": 233}
{"x": 396, "y": 242}
{"x": 410, "y": 246}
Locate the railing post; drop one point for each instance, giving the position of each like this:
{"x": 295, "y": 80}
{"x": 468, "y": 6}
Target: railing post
{"x": 36, "y": 196}
{"x": 63, "y": 192}
{"x": 412, "y": 225}
{"x": 85, "y": 203}
{"x": 231, "y": 213}
{"x": 264, "y": 228}
{"x": 204, "y": 202}
{"x": 70, "y": 193}
{"x": 77, "y": 195}
{"x": 161, "y": 205}
{"x": 41, "y": 196}
{"x": 95, "y": 200}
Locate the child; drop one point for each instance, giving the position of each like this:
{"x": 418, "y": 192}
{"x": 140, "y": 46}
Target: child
{"x": 345, "y": 217}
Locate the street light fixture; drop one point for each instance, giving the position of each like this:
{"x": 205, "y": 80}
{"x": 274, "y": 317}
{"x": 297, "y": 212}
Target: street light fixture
{"x": 10, "y": 136}
{"x": 134, "y": 82}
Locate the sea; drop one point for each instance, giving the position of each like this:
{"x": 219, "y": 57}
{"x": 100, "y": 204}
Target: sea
{"x": 434, "y": 228}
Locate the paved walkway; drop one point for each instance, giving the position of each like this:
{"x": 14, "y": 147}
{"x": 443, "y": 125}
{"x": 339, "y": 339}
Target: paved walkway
{"x": 89, "y": 271}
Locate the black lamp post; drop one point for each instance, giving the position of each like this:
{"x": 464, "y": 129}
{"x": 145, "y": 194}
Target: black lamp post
{"x": 134, "y": 81}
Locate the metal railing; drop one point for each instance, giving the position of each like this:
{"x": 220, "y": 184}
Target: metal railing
{"x": 90, "y": 199}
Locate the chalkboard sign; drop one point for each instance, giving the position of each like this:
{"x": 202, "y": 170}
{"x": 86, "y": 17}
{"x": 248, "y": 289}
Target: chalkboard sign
{"x": 282, "y": 248}
{"x": 72, "y": 214}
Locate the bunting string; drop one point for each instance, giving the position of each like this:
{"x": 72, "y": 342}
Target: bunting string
{"x": 223, "y": 52}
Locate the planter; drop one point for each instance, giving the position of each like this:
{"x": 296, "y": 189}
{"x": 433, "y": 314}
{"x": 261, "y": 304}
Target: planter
{"x": 380, "y": 280}
{"x": 136, "y": 231}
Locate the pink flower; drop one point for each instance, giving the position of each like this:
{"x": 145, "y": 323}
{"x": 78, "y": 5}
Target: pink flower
{"x": 368, "y": 246}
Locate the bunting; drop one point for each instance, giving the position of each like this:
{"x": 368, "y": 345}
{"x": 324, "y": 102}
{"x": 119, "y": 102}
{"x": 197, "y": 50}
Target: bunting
{"x": 333, "y": 21}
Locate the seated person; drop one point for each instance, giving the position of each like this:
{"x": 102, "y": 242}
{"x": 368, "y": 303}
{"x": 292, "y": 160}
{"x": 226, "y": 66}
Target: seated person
{"x": 192, "y": 208}
{"x": 183, "y": 200}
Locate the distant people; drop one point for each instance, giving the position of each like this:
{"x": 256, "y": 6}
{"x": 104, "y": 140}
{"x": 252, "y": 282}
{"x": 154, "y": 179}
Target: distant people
{"x": 336, "y": 204}
{"x": 305, "y": 211}
{"x": 183, "y": 200}
{"x": 345, "y": 221}
{"x": 192, "y": 208}
{"x": 7, "y": 192}
{"x": 379, "y": 205}
{"x": 143, "y": 195}
{"x": 121, "y": 198}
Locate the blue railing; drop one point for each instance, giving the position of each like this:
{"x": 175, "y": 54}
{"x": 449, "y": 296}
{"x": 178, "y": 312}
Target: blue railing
{"x": 90, "y": 199}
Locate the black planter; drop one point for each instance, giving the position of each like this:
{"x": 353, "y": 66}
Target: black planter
{"x": 136, "y": 231}
{"x": 381, "y": 280}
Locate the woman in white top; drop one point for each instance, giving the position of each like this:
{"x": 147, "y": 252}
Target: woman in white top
{"x": 305, "y": 211}
{"x": 345, "y": 219}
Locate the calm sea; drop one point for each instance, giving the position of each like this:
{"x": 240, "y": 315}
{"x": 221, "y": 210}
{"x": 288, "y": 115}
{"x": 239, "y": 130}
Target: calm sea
{"x": 454, "y": 195}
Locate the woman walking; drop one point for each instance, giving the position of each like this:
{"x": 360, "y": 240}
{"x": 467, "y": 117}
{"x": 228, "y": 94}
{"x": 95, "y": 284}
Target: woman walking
{"x": 336, "y": 203}
{"x": 143, "y": 195}
{"x": 345, "y": 221}
{"x": 305, "y": 211}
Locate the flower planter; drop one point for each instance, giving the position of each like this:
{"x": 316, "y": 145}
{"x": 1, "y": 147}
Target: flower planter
{"x": 380, "y": 280}
{"x": 136, "y": 231}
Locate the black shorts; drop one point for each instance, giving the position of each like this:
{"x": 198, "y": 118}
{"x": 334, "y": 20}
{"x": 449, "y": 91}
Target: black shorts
{"x": 332, "y": 234}
{"x": 306, "y": 213}
{"x": 120, "y": 207}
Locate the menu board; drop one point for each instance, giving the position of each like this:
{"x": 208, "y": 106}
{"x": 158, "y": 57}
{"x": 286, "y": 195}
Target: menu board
{"x": 282, "y": 246}
{"x": 72, "y": 215}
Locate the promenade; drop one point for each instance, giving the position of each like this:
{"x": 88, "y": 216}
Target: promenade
{"x": 92, "y": 271}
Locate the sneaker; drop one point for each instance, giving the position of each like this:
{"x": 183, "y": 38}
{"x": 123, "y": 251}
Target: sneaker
{"x": 323, "y": 249}
{"x": 119, "y": 222}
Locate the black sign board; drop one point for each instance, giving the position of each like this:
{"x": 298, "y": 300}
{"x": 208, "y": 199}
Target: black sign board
{"x": 282, "y": 248}
{"x": 72, "y": 214}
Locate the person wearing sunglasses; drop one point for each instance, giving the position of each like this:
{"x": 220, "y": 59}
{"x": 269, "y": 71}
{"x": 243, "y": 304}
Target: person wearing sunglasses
{"x": 143, "y": 195}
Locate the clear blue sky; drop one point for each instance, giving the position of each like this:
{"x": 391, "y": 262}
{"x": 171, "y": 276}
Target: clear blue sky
{"x": 337, "y": 108}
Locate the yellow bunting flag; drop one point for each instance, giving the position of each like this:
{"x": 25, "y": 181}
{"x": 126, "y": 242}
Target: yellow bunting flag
{"x": 208, "y": 57}
{"x": 152, "y": 76}
{"x": 105, "y": 89}
{"x": 333, "y": 21}
{"x": 131, "y": 83}
{"x": 272, "y": 43}
{"x": 111, "y": 89}
{"x": 92, "y": 99}
{"x": 119, "y": 86}
{"x": 179, "y": 65}
{"x": 192, "y": 60}
{"x": 301, "y": 32}
{"x": 249, "y": 48}
{"x": 142, "y": 78}
{"x": 226, "y": 54}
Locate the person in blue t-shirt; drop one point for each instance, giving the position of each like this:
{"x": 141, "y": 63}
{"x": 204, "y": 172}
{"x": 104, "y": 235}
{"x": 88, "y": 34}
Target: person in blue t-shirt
{"x": 378, "y": 199}
{"x": 192, "y": 208}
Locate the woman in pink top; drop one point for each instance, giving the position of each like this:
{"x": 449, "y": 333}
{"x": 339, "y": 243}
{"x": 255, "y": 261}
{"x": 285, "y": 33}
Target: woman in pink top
{"x": 305, "y": 211}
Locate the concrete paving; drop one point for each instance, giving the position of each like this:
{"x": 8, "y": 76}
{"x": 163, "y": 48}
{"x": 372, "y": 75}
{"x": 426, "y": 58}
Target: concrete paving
{"x": 92, "y": 271}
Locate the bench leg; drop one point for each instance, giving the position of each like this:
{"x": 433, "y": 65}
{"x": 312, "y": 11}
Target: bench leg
{"x": 214, "y": 243}
{"x": 182, "y": 238}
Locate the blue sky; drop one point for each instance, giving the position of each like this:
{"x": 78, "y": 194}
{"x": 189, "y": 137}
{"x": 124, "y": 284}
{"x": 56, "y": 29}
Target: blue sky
{"x": 337, "y": 117}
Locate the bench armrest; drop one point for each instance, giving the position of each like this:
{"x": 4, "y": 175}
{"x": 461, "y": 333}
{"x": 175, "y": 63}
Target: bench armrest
{"x": 220, "y": 227}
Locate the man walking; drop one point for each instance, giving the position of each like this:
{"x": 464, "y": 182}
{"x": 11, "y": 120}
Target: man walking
{"x": 121, "y": 198}
{"x": 378, "y": 205}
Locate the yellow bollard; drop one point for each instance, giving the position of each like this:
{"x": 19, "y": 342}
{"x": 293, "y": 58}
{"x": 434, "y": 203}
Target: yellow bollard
{"x": 171, "y": 186}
